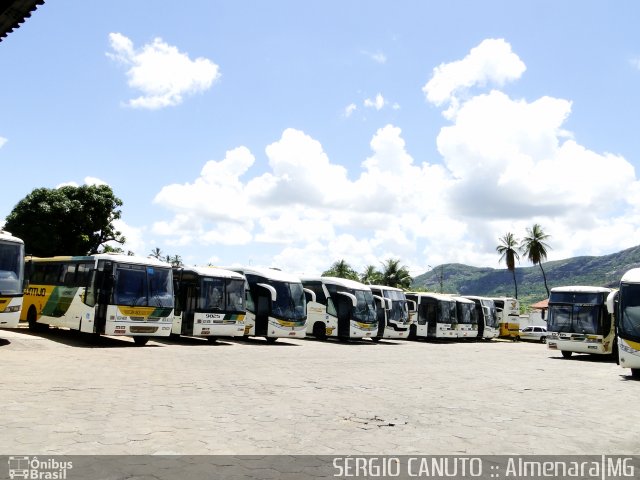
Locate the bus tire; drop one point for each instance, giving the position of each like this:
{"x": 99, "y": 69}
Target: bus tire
{"x": 32, "y": 319}
{"x": 320, "y": 331}
{"x": 413, "y": 332}
{"x": 635, "y": 373}
{"x": 212, "y": 339}
{"x": 566, "y": 354}
{"x": 271, "y": 339}
{"x": 376, "y": 339}
{"x": 140, "y": 341}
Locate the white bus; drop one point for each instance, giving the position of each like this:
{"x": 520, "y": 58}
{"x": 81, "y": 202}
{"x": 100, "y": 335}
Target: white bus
{"x": 488, "y": 327}
{"x": 579, "y": 321}
{"x": 102, "y": 294}
{"x": 625, "y": 305}
{"x": 434, "y": 316}
{"x": 11, "y": 279}
{"x": 508, "y": 313}
{"x": 392, "y": 312}
{"x": 209, "y": 302}
{"x": 275, "y": 303}
{"x": 467, "y": 316}
{"x": 340, "y": 308}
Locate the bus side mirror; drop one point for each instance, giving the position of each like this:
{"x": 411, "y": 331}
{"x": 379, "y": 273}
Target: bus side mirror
{"x": 309, "y": 295}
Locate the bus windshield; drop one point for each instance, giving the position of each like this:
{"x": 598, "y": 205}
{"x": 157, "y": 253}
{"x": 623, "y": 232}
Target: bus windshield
{"x": 290, "y": 301}
{"x": 629, "y": 325}
{"x": 365, "y": 309}
{"x": 580, "y": 318}
{"x": 466, "y": 313}
{"x": 221, "y": 294}
{"x": 447, "y": 312}
{"x": 490, "y": 313}
{"x": 11, "y": 268}
{"x": 399, "y": 312}
{"x": 142, "y": 286}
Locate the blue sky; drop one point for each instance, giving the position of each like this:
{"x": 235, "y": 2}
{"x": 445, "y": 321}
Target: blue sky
{"x": 295, "y": 134}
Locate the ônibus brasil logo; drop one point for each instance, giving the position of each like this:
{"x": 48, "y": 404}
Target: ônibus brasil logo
{"x": 35, "y": 469}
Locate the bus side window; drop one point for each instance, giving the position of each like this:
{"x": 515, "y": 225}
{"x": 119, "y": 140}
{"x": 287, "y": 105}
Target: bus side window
{"x": 92, "y": 287}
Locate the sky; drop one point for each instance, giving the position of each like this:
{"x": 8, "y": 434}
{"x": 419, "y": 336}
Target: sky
{"x": 294, "y": 134}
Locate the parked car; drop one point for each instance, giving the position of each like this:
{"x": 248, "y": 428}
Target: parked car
{"x": 538, "y": 334}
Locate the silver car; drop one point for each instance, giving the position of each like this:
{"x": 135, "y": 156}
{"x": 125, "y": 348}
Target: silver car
{"x": 538, "y": 334}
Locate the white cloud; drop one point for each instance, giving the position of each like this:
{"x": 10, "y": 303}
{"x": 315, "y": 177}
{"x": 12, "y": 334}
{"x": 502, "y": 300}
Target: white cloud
{"x": 162, "y": 73}
{"x": 505, "y": 164}
{"x": 378, "y": 57}
{"x": 87, "y": 181}
{"x": 378, "y": 103}
{"x": 3, "y": 141}
{"x": 348, "y": 111}
{"x": 490, "y": 62}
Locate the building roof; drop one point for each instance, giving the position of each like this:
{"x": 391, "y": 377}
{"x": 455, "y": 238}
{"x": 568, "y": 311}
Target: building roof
{"x": 14, "y": 12}
{"x": 541, "y": 305}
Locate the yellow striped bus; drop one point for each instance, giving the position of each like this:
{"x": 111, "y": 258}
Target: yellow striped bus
{"x": 105, "y": 294}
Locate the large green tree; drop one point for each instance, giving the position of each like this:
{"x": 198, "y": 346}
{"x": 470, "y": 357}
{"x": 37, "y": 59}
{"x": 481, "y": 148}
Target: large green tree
{"x": 67, "y": 220}
{"x": 371, "y": 276}
{"x": 508, "y": 250}
{"x": 395, "y": 275}
{"x": 534, "y": 247}
{"x": 341, "y": 269}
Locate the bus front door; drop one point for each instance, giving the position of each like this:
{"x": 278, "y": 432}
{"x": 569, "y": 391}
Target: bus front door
{"x": 343, "y": 310}
{"x": 262, "y": 314}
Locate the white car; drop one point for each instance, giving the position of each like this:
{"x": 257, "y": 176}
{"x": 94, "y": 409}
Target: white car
{"x": 538, "y": 334}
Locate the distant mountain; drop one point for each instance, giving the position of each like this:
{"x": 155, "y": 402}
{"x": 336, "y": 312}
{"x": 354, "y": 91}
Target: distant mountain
{"x": 596, "y": 271}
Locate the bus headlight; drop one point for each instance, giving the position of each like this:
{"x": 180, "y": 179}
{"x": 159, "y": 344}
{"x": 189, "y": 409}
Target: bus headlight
{"x": 12, "y": 308}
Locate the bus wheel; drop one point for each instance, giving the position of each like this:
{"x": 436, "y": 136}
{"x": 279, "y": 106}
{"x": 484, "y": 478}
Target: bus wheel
{"x": 212, "y": 339}
{"x": 32, "y": 319}
{"x": 413, "y": 332}
{"x": 635, "y": 373}
{"x": 271, "y": 339}
{"x": 140, "y": 341}
{"x": 376, "y": 339}
{"x": 320, "y": 331}
{"x": 566, "y": 354}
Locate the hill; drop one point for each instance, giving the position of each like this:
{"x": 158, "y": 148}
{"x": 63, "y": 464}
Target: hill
{"x": 604, "y": 270}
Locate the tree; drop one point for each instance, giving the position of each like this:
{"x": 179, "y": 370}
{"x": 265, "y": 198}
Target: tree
{"x": 157, "y": 253}
{"x": 371, "y": 276}
{"x": 175, "y": 261}
{"x": 508, "y": 252}
{"x": 67, "y": 220}
{"x": 395, "y": 275}
{"x": 535, "y": 248}
{"x": 341, "y": 269}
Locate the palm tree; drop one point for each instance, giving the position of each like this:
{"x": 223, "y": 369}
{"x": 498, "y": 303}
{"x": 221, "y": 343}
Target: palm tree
{"x": 535, "y": 248}
{"x": 508, "y": 253}
{"x": 156, "y": 253}
{"x": 395, "y": 275}
{"x": 341, "y": 269}
{"x": 371, "y": 276}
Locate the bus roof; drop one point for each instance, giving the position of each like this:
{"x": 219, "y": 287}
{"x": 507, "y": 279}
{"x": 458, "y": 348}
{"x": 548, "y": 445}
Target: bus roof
{"x": 270, "y": 273}
{"x": 582, "y": 289}
{"x": 114, "y": 257}
{"x": 386, "y": 287}
{"x": 210, "y": 272}
{"x": 631, "y": 276}
{"x": 438, "y": 296}
{"x": 7, "y": 237}
{"x": 460, "y": 299}
{"x": 343, "y": 282}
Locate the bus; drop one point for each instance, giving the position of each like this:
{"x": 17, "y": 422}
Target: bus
{"x": 467, "y": 316}
{"x": 209, "y": 302}
{"x": 508, "y": 312}
{"x": 579, "y": 321}
{"x": 392, "y": 312}
{"x": 434, "y": 317}
{"x": 11, "y": 279}
{"x": 106, "y": 294}
{"x": 340, "y": 308}
{"x": 488, "y": 327}
{"x": 625, "y": 306}
{"x": 275, "y": 303}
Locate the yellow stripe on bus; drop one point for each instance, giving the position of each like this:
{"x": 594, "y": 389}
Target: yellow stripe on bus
{"x": 136, "y": 311}
{"x": 634, "y": 345}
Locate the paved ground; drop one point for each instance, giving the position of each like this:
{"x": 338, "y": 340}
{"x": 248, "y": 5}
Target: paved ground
{"x": 63, "y": 394}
